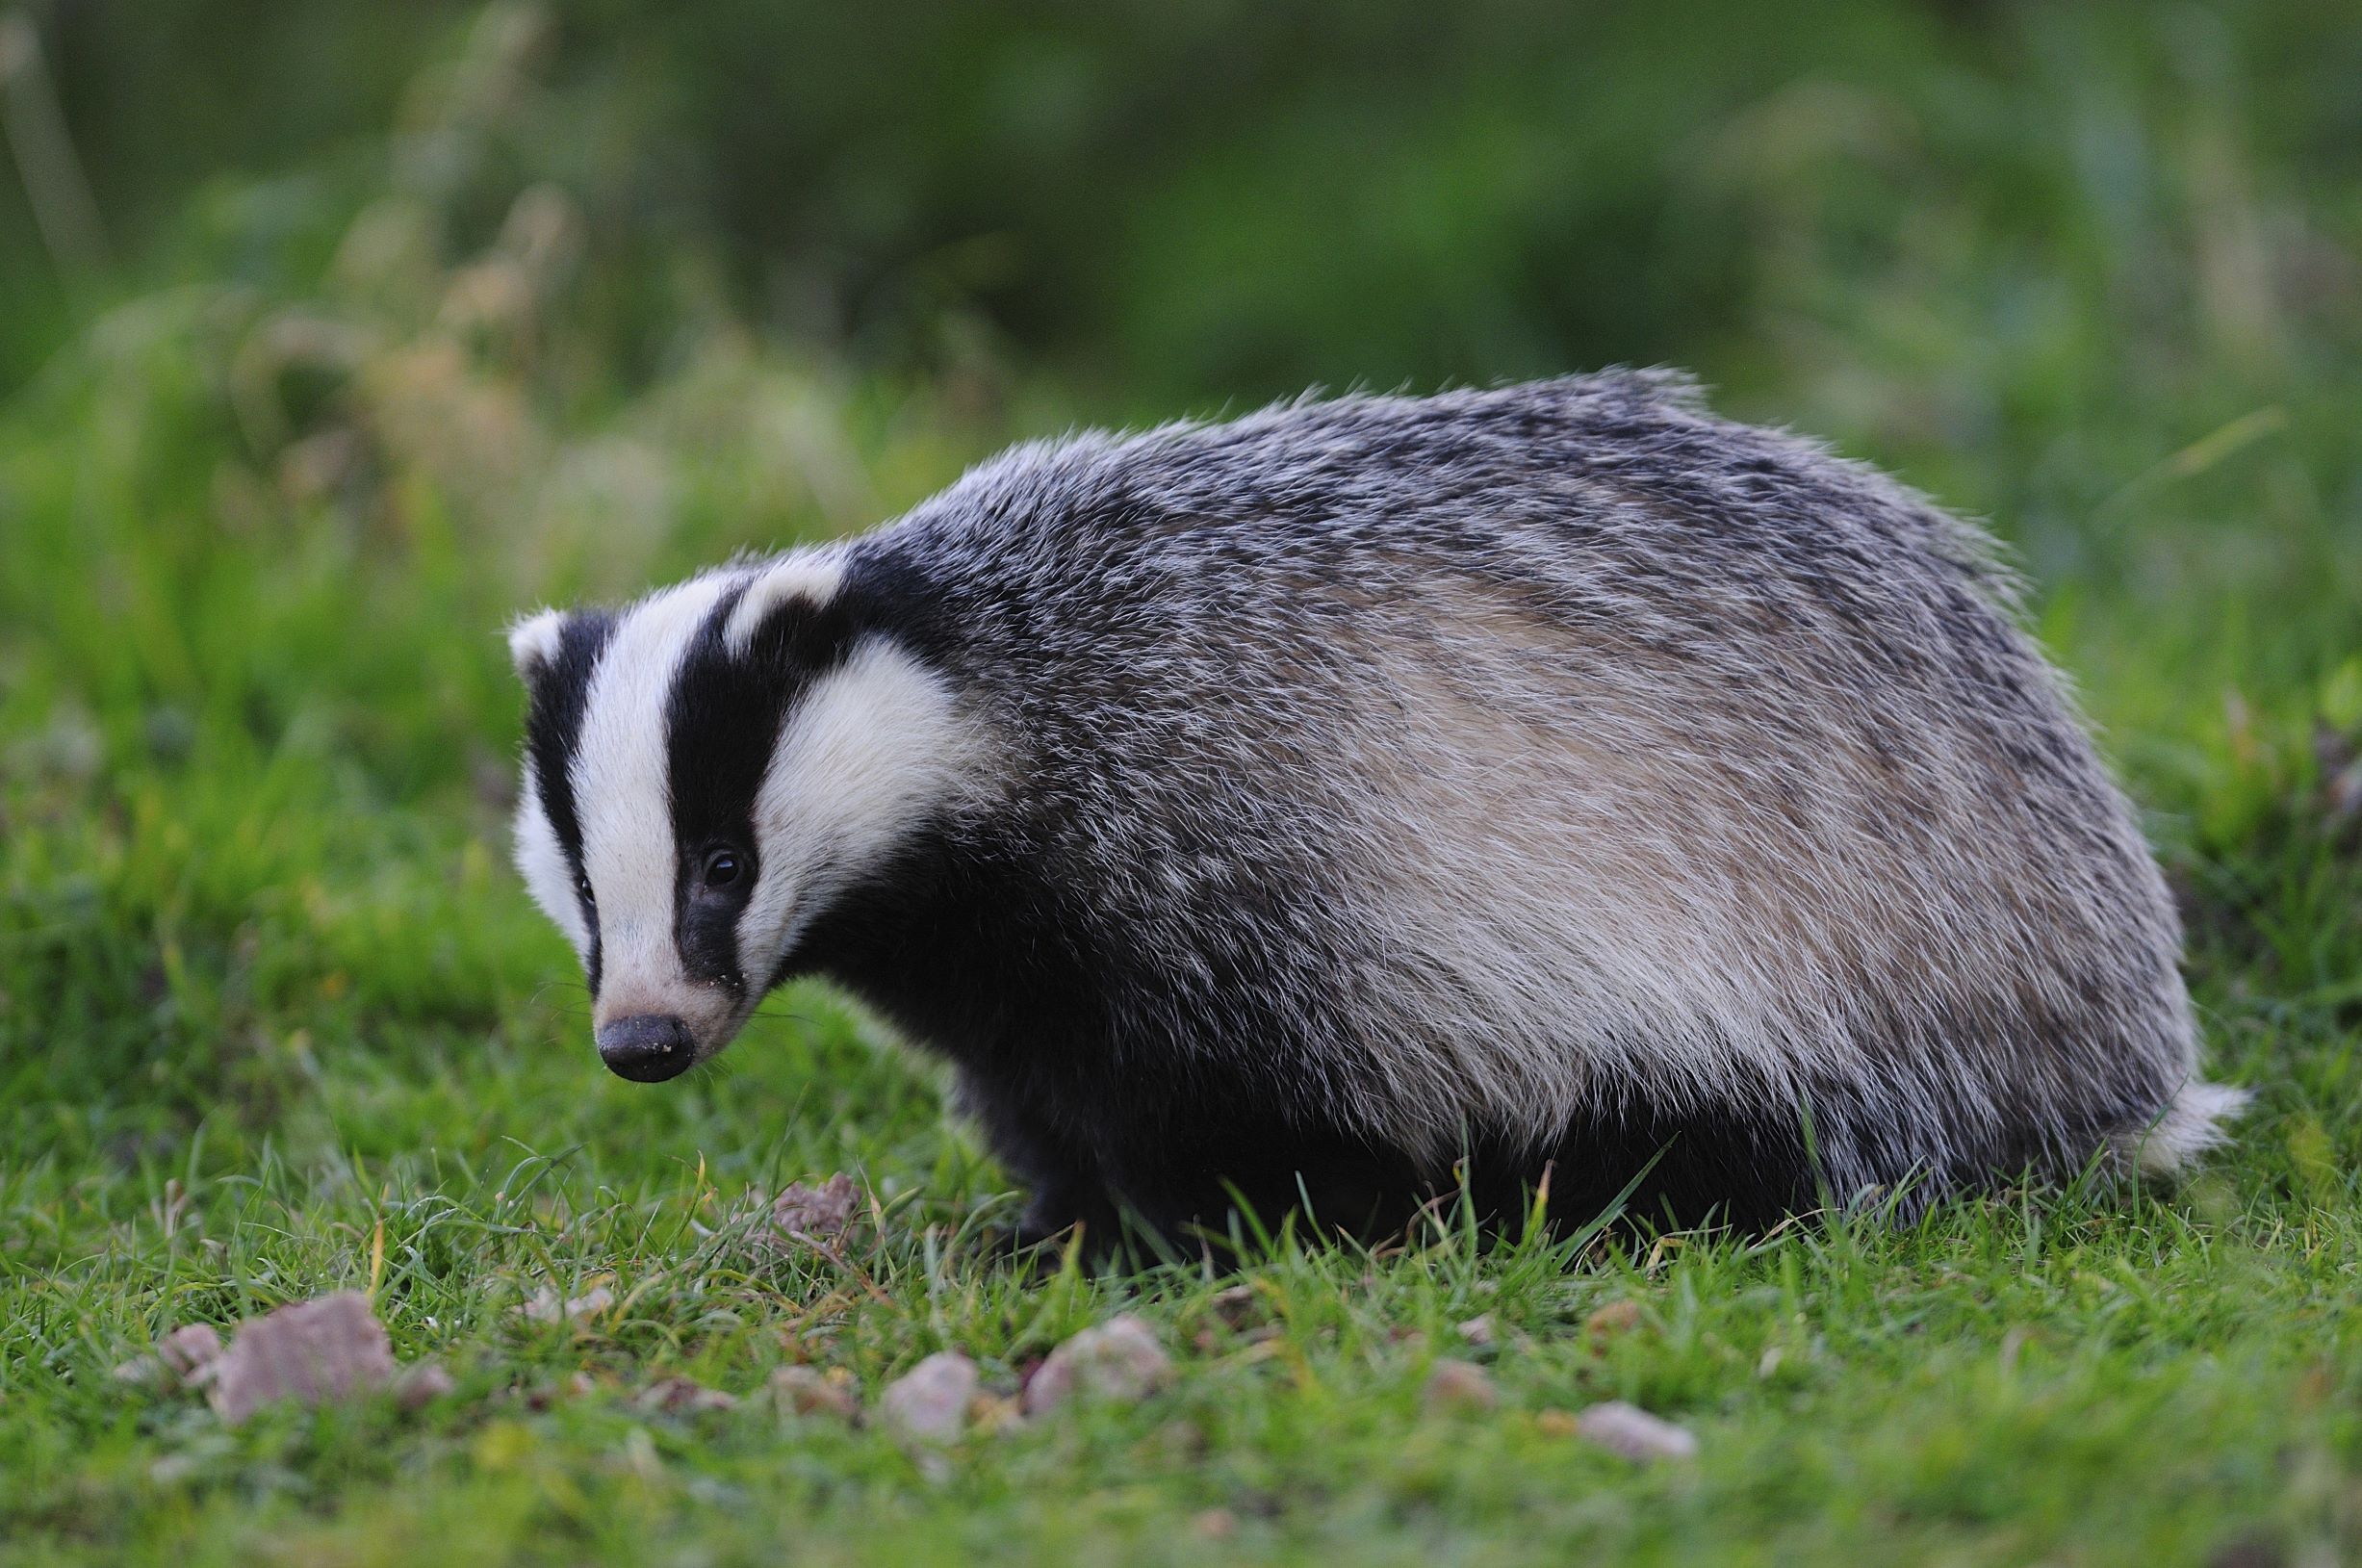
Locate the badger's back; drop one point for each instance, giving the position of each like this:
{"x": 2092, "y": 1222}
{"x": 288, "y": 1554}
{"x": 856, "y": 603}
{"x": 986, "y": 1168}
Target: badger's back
{"x": 1504, "y": 763}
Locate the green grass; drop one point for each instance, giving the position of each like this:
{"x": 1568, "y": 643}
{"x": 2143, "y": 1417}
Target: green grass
{"x": 276, "y": 1019}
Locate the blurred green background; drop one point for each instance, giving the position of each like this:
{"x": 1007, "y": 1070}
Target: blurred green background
{"x": 1210, "y": 200}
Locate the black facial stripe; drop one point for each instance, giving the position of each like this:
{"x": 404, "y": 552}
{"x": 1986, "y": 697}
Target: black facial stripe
{"x": 722, "y": 722}
{"x": 558, "y": 693}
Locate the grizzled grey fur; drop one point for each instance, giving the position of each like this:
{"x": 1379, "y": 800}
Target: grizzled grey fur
{"x": 1553, "y": 777}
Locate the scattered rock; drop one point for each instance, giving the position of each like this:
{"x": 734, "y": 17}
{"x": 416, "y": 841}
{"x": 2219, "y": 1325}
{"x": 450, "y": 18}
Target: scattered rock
{"x": 929, "y": 1402}
{"x": 191, "y": 1346}
{"x": 1119, "y": 1360}
{"x": 574, "y": 1386}
{"x": 307, "y": 1352}
{"x": 809, "y": 1214}
{"x": 1613, "y": 1319}
{"x": 546, "y": 1307}
{"x": 1236, "y": 1306}
{"x": 681, "y": 1396}
{"x": 176, "y": 1358}
{"x": 422, "y": 1383}
{"x": 1478, "y": 1331}
{"x": 803, "y": 1392}
{"x": 1634, "y": 1433}
{"x": 1459, "y": 1386}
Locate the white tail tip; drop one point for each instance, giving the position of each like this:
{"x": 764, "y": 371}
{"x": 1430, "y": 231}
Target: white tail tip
{"x": 2191, "y": 1123}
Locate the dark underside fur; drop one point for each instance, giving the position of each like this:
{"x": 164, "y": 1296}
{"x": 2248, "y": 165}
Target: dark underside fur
{"x": 970, "y": 953}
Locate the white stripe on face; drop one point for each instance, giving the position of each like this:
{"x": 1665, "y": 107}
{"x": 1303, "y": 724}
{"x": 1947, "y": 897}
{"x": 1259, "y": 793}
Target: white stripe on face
{"x": 874, "y": 746}
{"x": 623, "y": 798}
{"x": 541, "y": 862}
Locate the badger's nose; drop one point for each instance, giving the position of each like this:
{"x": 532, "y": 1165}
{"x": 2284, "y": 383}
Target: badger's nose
{"x": 648, "y": 1048}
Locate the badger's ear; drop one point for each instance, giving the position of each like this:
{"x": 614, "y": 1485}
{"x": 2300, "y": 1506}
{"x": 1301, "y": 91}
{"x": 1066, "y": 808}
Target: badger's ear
{"x": 808, "y": 577}
{"x": 533, "y": 643}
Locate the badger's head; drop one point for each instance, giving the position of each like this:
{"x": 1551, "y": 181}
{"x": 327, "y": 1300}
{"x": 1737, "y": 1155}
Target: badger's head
{"x": 705, "y": 771}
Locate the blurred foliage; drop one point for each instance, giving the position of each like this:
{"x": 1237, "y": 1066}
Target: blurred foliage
{"x": 1218, "y": 198}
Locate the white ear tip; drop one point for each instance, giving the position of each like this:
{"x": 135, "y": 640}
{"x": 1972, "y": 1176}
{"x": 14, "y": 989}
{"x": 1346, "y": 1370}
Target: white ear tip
{"x": 812, "y": 574}
{"x": 532, "y": 642}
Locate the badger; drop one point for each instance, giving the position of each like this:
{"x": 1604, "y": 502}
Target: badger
{"x": 1380, "y": 797}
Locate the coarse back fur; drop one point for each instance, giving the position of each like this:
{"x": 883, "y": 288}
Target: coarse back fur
{"x": 1555, "y": 775}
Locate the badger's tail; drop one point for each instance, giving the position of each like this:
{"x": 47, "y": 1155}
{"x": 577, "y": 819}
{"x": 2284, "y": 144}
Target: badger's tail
{"x": 2191, "y": 1123}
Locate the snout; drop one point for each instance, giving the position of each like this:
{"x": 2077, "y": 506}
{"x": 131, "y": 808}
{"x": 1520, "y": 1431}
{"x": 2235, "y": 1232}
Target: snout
{"x": 648, "y": 1047}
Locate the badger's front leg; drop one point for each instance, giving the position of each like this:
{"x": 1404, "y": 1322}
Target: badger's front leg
{"x": 1062, "y": 1180}
{"x": 1171, "y": 1171}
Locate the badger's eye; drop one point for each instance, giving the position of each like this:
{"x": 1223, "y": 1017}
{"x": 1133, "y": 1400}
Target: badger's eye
{"x": 723, "y": 868}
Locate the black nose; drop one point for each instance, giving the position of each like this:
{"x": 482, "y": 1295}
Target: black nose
{"x": 647, "y": 1049}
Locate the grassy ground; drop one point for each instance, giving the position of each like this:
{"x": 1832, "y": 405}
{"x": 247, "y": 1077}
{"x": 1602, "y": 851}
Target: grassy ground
{"x": 276, "y": 1019}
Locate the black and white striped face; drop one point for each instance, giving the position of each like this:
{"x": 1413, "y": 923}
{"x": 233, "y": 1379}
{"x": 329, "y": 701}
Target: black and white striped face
{"x": 704, "y": 772}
